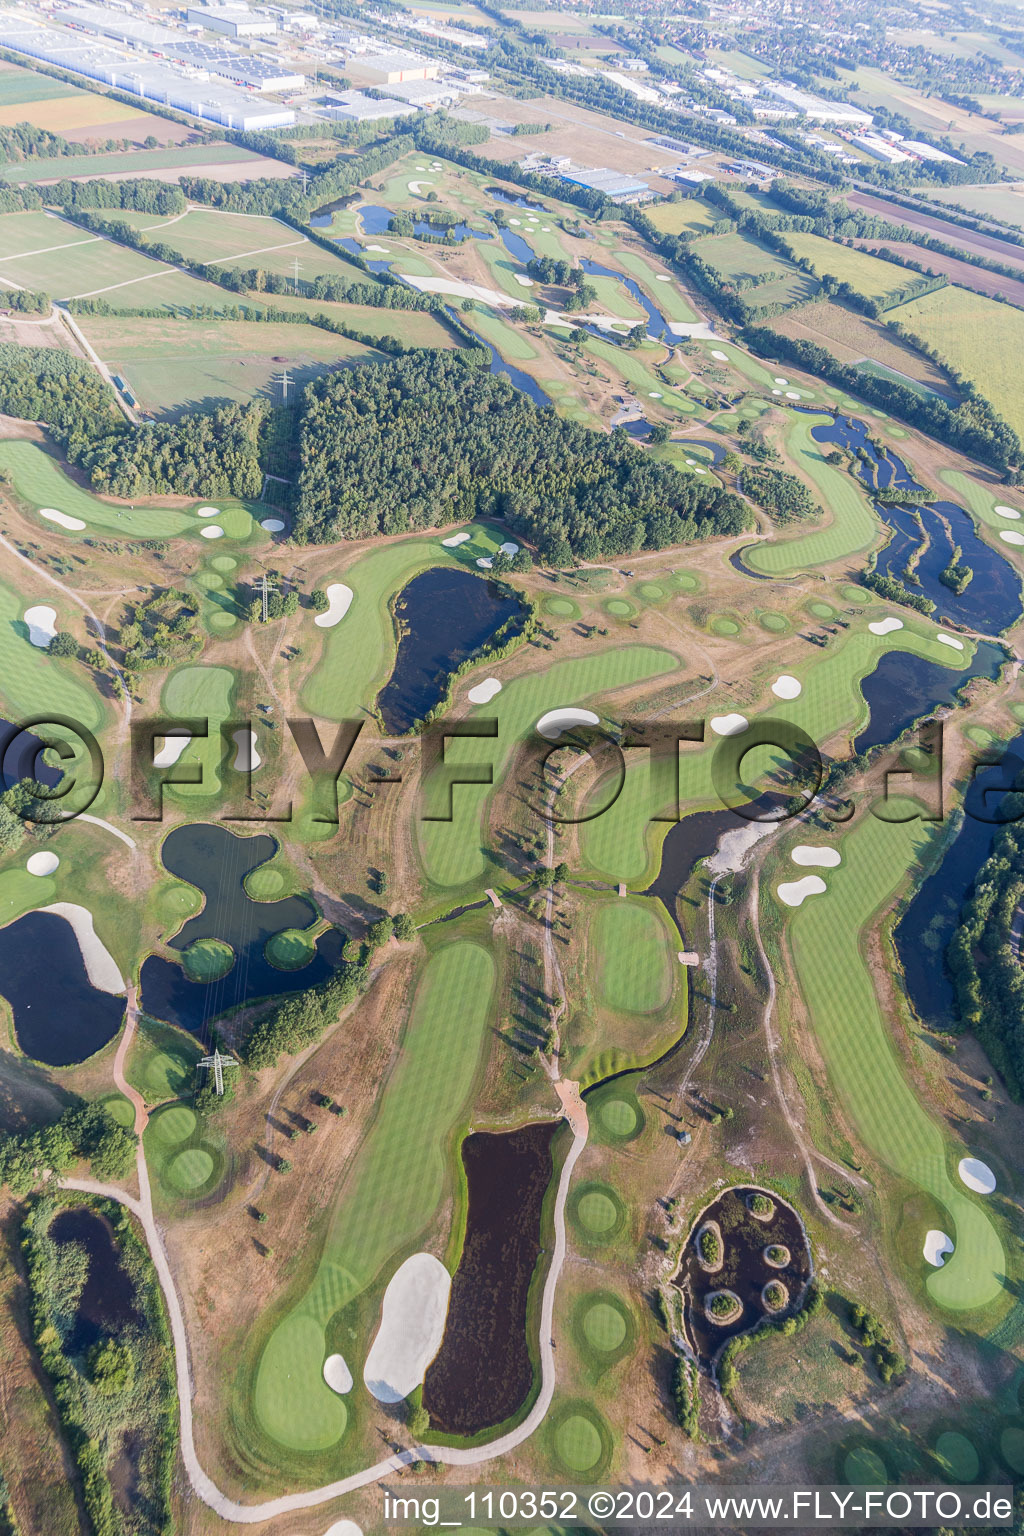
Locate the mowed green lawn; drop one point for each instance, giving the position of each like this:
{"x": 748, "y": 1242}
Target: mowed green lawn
{"x": 866, "y": 1072}
{"x": 34, "y": 683}
{"x": 980, "y": 338}
{"x": 869, "y": 275}
{"x": 453, "y": 852}
{"x": 394, "y": 1189}
{"x": 37, "y": 480}
{"x": 669, "y": 297}
{"x": 633, "y": 954}
{"x": 853, "y": 526}
{"x": 200, "y": 693}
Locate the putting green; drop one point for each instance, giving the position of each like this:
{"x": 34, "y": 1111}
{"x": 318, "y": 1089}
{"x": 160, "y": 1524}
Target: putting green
{"x": 290, "y": 950}
{"x": 619, "y": 1117}
{"x": 207, "y": 960}
{"x": 864, "y": 1466}
{"x": 265, "y": 883}
{"x": 189, "y": 1169}
{"x": 210, "y": 580}
{"x": 604, "y": 1326}
{"x": 822, "y": 610}
{"x": 958, "y": 1456}
{"x": 651, "y": 591}
{"x": 724, "y": 626}
{"x": 598, "y": 1211}
{"x": 860, "y": 1055}
{"x": 394, "y": 1187}
{"x": 219, "y": 619}
{"x": 686, "y": 582}
{"x": 775, "y": 623}
{"x": 979, "y": 735}
{"x": 561, "y": 607}
{"x": 1011, "y": 1447}
{"x": 176, "y": 900}
{"x": 631, "y": 947}
{"x": 225, "y": 563}
{"x": 857, "y": 594}
{"x": 120, "y": 1110}
{"x": 619, "y": 608}
{"x": 578, "y": 1443}
{"x": 852, "y": 526}
{"x": 173, "y": 1124}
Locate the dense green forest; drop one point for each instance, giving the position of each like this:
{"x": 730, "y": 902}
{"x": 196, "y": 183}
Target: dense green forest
{"x": 985, "y": 960}
{"x": 426, "y": 441}
{"x": 781, "y": 494}
{"x": 84, "y": 1131}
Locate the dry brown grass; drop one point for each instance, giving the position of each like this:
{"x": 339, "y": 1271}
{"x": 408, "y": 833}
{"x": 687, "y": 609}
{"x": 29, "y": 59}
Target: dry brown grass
{"x": 851, "y": 337}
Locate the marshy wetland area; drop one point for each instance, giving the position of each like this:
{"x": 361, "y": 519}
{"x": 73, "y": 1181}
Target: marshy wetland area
{"x": 508, "y": 852}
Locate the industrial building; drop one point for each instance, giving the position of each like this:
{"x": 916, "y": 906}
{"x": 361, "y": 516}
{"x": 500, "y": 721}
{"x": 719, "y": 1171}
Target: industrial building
{"x": 614, "y": 184}
{"x": 146, "y": 78}
{"x": 880, "y": 149}
{"x": 397, "y": 68}
{"x": 259, "y": 74}
{"x": 354, "y": 106}
{"x": 232, "y": 20}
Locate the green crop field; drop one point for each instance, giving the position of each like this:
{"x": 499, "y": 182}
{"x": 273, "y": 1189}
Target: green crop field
{"x": 23, "y": 233}
{"x": 634, "y": 957}
{"x": 869, "y": 275}
{"x": 738, "y": 256}
{"x": 860, "y": 1055}
{"x": 979, "y": 338}
{"x": 853, "y": 526}
{"x": 22, "y": 85}
{"x": 391, "y": 1194}
{"x": 183, "y": 156}
{"x": 689, "y": 213}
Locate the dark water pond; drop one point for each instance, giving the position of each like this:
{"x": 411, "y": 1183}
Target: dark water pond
{"x": 322, "y": 217}
{"x": 903, "y": 687}
{"x": 640, "y": 428}
{"x": 517, "y": 246}
{"x": 19, "y": 758}
{"x": 376, "y": 219}
{"x": 107, "y": 1302}
{"x": 445, "y": 615}
{"x": 516, "y": 376}
{"x": 375, "y": 263}
{"x": 927, "y": 925}
{"x": 657, "y": 325}
{"x": 217, "y": 860}
{"x": 685, "y": 844}
{"x": 991, "y": 602}
{"x": 483, "y": 1371}
{"x": 514, "y": 200}
{"x": 59, "y": 1016}
{"x": 745, "y": 1270}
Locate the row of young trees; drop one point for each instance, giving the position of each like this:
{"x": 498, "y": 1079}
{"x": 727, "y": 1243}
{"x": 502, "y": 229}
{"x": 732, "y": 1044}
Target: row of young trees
{"x": 427, "y": 439}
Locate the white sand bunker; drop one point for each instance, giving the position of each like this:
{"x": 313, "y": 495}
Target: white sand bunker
{"x": 951, "y": 640}
{"x": 786, "y": 687}
{"x": 457, "y": 539}
{"x": 339, "y": 600}
{"x": 728, "y": 725}
{"x": 1011, "y": 536}
{"x": 508, "y": 548}
{"x": 216, "y": 532}
{"x": 936, "y": 1245}
{"x": 411, "y": 1328}
{"x": 662, "y": 277}
{"x": 977, "y": 1175}
{"x": 723, "y": 357}
{"x": 208, "y": 512}
{"x": 42, "y": 863}
{"x": 99, "y": 962}
{"x": 795, "y": 892}
{"x": 524, "y": 282}
{"x": 169, "y": 748}
{"x": 344, "y": 1528}
{"x": 42, "y": 622}
{"x": 272, "y": 524}
{"x": 485, "y": 691}
{"x": 416, "y": 187}
{"x": 792, "y": 394}
{"x": 337, "y": 1374}
{"x": 783, "y": 382}
{"x": 776, "y": 391}
{"x": 654, "y": 394}
{"x": 383, "y": 249}
{"x": 556, "y": 721}
{"x": 1010, "y": 512}
{"x": 814, "y": 856}
{"x": 485, "y": 562}
{"x": 514, "y": 221}
{"x": 247, "y": 759}
{"x": 885, "y": 626}
{"x": 53, "y": 516}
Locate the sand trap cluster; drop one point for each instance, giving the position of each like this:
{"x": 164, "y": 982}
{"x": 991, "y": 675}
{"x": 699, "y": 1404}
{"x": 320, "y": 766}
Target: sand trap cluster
{"x": 1010, "y": 512}
{"x": 339, "y": 600}
{"x": 728, "y": 725}
{"x": 42, "y": 863}
{"x": 99, "y": 962}
{"x": 247, "y": 759}
{"x": 885, "y": 626}
{"x": 950, "y": 640}
{"x": 337, "y": 1374}
{"x": 215, "y": 531}
{"x": 42, "y": 625}
{"x": 457, "y": 539}
{"x": 977, "y": 1175}
{"x": 170, "y": 748}
{"x": 795, "y": 892}
{"x": 812, "y": 856}
{"x": 62, "y": 519}
{"x": 1011, "y": 536}
{"x": 485, "y": 691}
{"x": 411, "y": 1328}
{"x": 783, "y": 382}
{"x": 556, "y": 721}
{"x": 936, "y": 1245}
{"x": 786, "y": 687}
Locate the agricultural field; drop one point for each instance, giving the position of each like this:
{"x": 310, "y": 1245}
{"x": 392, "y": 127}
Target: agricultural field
{"x": 672, "y": 218}
{"x": 854, "y": 338}
{"x": 979, "y": 338}
{"x": 869, "y": 275}
{"x": 738, "y": 257}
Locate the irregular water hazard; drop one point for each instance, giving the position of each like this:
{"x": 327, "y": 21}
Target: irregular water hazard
{"x": 484, "y": 1370}
{"x": 747, "y": 1253}
{"x": 444, "y": 615}
{"x": 217, "y": 861}
{"x": 60, "y": 1018}
{"x": 107, "y": 1301}
{"x": 991, "y": 601}
{"x": 904, "y": 688}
